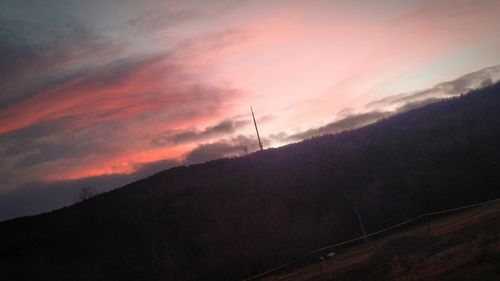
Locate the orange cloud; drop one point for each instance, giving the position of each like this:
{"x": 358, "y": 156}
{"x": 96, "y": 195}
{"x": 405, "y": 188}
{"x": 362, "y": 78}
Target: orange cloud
{"x": 125, "y": 163}
{"x": 109, "y": 94}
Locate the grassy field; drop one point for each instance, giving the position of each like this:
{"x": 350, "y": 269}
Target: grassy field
{"x": 459, "y": 246}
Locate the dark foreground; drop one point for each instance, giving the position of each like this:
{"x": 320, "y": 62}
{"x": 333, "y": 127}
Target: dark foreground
{"x": 463, "y": 246}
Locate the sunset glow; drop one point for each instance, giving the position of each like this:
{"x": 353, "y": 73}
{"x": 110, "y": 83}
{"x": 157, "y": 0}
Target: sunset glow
{"x": 100, "y": 88}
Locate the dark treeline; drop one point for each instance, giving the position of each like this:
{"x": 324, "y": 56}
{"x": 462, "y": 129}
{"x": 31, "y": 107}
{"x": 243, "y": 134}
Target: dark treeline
{"x": 232, "y": 218}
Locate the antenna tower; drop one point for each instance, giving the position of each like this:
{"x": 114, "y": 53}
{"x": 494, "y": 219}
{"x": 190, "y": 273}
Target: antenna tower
{"x": 256, "y": 129}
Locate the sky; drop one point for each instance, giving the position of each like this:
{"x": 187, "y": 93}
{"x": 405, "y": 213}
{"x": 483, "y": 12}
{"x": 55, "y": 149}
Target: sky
{"x": 103, "y": 92}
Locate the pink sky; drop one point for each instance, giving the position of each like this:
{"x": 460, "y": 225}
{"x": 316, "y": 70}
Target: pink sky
{"x": 137, "y": 84}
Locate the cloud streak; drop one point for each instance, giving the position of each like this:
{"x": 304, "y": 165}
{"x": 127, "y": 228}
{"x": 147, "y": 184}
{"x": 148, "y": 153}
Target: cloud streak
{"x": 346, "y": 123}
{"x": 121, "y": 89}
{"x": 461, "y": 85}
{"x": 222, "y": 128}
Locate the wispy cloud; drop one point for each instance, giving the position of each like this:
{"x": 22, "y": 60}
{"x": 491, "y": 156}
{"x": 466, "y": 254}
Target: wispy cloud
{"x": 346, "y": 123}
{"x": 455, "y": 87}
{"x": 222, "y": 128}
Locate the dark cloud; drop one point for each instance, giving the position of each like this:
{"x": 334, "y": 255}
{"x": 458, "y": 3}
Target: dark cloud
{"x": 347, "y": 123}
{"x": 222, "y": 128}
{"x": 213, "y": 151}
{"x": 280, "y": 137}
{"x": 34, "y": 56}
{"x": 50, "y": 142}
{"x": 224, "y": 148}
{"x": 417, "y": 104}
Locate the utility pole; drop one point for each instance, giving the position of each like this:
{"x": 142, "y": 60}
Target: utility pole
{"x": 321, "y": 268}
{"x": 429, "y": 234}
{"x": 256, "y": 129}
{"x": 360, "y": 221}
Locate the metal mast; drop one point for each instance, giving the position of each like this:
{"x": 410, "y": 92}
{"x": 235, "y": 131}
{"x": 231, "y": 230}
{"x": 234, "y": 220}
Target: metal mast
{"x": 256, "y": 129}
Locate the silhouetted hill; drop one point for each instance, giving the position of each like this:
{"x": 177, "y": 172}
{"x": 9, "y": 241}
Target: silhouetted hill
{"x": 231, "y": 218}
